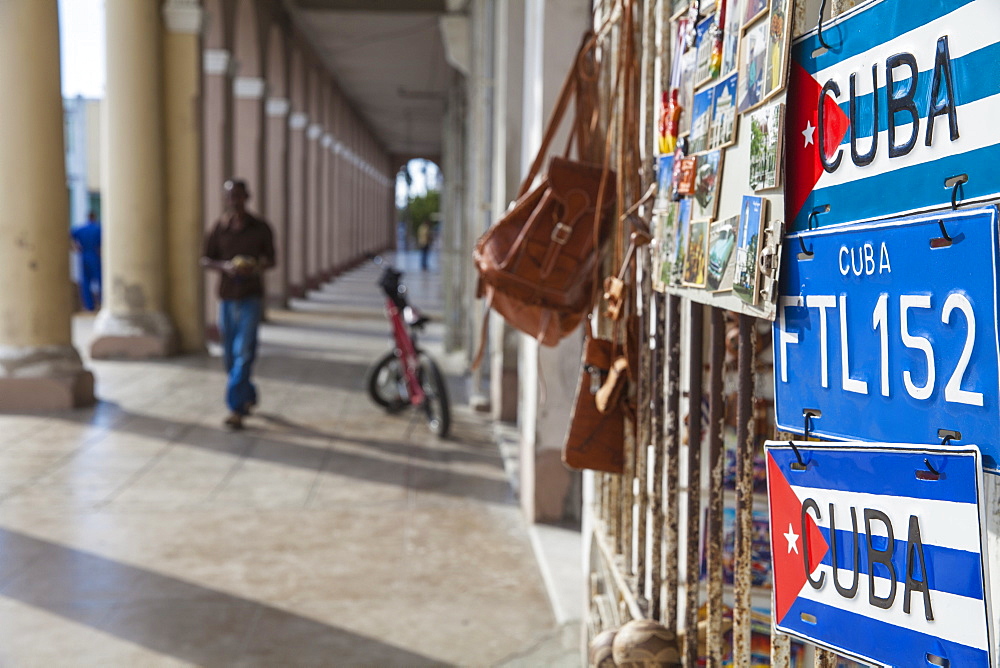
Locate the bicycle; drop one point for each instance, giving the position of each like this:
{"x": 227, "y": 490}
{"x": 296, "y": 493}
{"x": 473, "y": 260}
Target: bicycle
{"x": 406, "y": 375}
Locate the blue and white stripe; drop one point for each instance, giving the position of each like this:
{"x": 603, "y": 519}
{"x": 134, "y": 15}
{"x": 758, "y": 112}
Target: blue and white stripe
{"x": 869, "y": 36}
{"x": 951, "y": 526}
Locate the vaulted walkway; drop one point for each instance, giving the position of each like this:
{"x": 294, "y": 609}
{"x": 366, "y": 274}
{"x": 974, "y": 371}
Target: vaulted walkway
{"x": 140, "y": 532}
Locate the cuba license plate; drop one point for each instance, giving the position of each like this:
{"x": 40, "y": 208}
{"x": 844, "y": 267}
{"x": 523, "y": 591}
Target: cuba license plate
{"x": 886, "y": 331}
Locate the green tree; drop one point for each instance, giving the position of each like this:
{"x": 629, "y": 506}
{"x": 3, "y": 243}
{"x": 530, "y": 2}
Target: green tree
{"x": 421, "y": 208}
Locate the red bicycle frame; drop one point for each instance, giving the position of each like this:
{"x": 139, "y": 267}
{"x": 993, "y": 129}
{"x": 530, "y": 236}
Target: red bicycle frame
{"x": 407, "y": 353}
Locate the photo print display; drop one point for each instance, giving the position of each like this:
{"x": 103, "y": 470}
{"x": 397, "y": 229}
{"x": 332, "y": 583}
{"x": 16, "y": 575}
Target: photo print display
{"x": 746, "y": 274}
{"x": 779, "y": 31}
{"x": 763, "y": 57}
{"x": 662, "y": 248}
{"x": 753, "y": 61}
{"x": 694, "y": 256}
{"x": 664, "y": 178}
{"x": 766, "y": 127}
{"x": 686, "y": 88}
{"x": 707, "y": 178}
{"x": 731, "y": 34}
{"x": 722, "y": 126}
{"x": 701, "y": 119}
{"x": 760, "y": 557}
{"x": 721, "y": 244}
{"x": 674, "y": 264}
{"x": 685, "y": 175}
{"x": 703, "y": 51}
{"x": 752, "y": 10}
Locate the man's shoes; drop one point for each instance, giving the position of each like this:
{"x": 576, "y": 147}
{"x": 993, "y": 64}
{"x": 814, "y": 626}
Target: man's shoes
{"x": 249, "y": 407}
{"x": 234, "y": 422}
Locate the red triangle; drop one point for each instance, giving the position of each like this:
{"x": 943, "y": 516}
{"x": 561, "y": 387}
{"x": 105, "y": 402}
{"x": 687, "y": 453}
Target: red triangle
{"x": 787, "y": 543}
{"x": 803, "y": 167}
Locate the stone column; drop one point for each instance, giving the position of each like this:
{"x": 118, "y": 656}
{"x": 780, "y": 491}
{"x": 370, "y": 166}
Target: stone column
{"x": 39, "y": 368}
{"x": 133, "y": 322}
{"x": 314, "y": 134}
{"x": 549, "y": 491}
{"x": 277, "y": 194}
{"x": 248, "y": 128}
{"x": 326, "y": 221}
{"x": 182, "y": 133}
{"x": 294, "y": 252}
{"x": 217, "y": 147}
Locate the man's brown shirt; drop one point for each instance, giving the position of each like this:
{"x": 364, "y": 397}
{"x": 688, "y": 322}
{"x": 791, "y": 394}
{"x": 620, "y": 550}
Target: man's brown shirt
{"x": 225, "y": 242}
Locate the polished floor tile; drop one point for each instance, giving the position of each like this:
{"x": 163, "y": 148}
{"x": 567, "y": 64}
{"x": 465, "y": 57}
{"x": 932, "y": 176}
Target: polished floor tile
{"x": 327, "y": 533}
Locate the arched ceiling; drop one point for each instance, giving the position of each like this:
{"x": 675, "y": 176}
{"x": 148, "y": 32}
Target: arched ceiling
{"x": 389, "y": 60}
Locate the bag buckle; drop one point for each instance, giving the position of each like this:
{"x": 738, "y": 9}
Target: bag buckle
{"x": 561, "y": 233}
{"x": 596, "y": 379}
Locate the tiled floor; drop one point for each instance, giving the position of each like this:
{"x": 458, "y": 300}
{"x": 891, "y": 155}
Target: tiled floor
{"x": 141, "y": 533}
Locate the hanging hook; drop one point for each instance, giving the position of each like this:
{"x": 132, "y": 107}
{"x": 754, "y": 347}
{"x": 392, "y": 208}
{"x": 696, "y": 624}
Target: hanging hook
{"x": 819, "y": 26}
{"x": 948, "y": 435}
{"x": 944, "y": 232}
{"x": 954, "y": 194}
{"x": 956, "y": 183}
{"x": 944, "y": 240}
{"x": 807, "y": 415}
{"x": 800, "y": 465}
{"x": 805, "y": 254}
{"x": 930, "y": 475}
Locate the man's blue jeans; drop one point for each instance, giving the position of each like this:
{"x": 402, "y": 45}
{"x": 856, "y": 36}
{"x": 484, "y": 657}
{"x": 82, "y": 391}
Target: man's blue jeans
{"x": 238, "y": 321}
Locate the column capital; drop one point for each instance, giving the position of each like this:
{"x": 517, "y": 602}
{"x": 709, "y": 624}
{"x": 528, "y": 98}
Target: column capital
{"x": 216, "y": 61}
{"x": 183, "y": 16}
{"x": 277, "y": 106}
{"x": 249, "y": 88}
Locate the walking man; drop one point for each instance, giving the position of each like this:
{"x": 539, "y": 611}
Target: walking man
{"x": 241, "y": 247}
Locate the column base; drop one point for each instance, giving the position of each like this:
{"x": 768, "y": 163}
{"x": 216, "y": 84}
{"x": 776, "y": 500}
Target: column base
{"x": 44, "y": 378}
{"x": 133, "y": 337}
{"x": 297, "y": 291}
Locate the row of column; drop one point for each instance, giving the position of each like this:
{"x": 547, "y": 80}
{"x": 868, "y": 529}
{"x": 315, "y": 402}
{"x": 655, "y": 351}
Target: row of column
{"x": 318, "y": 175}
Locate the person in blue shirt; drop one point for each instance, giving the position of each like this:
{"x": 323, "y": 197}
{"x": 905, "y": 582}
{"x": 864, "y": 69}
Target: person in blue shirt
{"x": 87, "y": 242}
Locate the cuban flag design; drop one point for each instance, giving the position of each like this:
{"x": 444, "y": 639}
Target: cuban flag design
{"x": 907, "y": 96}
{"x": 878, "y": 551}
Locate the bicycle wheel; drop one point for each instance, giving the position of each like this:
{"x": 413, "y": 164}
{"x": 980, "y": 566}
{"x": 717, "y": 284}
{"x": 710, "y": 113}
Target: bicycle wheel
{"x": 435, "y": 397}
{"x": 386, "y": 383}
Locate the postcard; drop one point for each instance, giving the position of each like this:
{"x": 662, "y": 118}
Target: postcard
{"x": 753, "y": 10}
{"x": 703, "y": 48}
{"x": 722, "y": 126}
{"x": 686, "y": 176}
{"x": 708, "y": 177}
{"x": 721, "y": 243}
{"x": 694, "y": 258}
{"x": 701, "y": 119}
{"x": 765, "y": 147}
{"x": 750, "y": 88}
{"x": 672, "y": 268}
{"x": 731, "y": 35}
{"x": 747, "y": 273}
{"x": 664, "y": 178}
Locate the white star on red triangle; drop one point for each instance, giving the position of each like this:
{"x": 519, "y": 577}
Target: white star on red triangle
{"x": 793, "y": 539}
{"x": 808, "y": 133}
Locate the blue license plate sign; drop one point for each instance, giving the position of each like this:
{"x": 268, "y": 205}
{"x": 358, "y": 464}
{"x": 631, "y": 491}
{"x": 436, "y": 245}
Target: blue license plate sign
{"x": 879, "y": 551}
{"x": 887, "y": 331}
{"x": 908, "y": 93}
